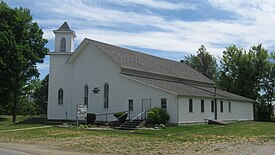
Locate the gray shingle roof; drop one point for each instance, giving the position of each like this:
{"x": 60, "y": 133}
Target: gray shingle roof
{"x": 64, "y": 27}
{"x": 189, "y": 90}
{"x": 160, "y": 66}
{"x": 148, "y": 63}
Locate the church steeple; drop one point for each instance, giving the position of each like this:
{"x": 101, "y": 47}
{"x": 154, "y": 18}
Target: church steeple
{"x": 64, "y": 38}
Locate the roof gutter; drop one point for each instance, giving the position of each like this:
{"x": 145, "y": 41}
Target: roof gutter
{"x": 141, "y": 73}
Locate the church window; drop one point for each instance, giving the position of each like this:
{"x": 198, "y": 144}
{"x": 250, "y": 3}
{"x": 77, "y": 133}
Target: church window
{"x": 60, "y": 96}
{"x": 202, "y": 105}
{"x": 221, "y": 106}
{"x": 212, "y": 106}
{"x": 190, "y": 105}
{"x": 131, "y": 105}
{"x": 106, "y": 95}
{"x": 63, "y": 45}
{"x": 163, "y": 103}
{"x": 86, "y": 90}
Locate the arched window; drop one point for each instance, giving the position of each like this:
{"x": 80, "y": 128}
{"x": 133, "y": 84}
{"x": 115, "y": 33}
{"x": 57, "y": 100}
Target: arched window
{"x": 86, "y": 92}
{"x": 63, "y": 45}
{"x": 60, "y": 96}
{"x": 106, "y": 95}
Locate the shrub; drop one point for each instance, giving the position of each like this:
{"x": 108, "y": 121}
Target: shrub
{"x": 91, "y": 117}
{"x": 121, "y": 116}
{"x": 157, "y": 116}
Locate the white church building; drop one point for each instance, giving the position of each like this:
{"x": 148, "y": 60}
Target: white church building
{"x": 111, "y": 79}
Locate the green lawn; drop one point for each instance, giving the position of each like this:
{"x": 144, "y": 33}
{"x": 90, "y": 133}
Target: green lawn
{"x": 169, "y": 140}
{"x": 6, "y": 123}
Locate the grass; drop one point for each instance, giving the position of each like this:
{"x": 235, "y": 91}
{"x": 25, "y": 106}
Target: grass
{"x": 166, "y": 141}
{"x": 6, "y": 123}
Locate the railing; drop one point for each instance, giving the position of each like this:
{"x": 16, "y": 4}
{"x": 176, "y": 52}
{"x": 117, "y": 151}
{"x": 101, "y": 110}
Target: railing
{"x": 143, "y": 112}
{"x": 125, "y": 112}
{"x": 106, "y": 115}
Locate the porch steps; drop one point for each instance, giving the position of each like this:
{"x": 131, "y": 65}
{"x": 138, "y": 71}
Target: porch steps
{"x": 135, "y": 124}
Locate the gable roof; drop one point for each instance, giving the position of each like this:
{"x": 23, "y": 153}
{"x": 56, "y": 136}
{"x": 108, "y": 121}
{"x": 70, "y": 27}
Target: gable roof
{"x": 188, "y": 89}
{"x": 145, "y": 63}
{"x": 127, "y": 58}
{"x": 64, "y": 27}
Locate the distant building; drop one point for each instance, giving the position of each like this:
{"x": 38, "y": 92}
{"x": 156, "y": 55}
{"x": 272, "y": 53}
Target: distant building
{"x": 110, "y": 79}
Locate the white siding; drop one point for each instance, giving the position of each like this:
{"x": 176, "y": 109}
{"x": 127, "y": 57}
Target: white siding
{"x": 94, "y": 68}
{"x": 69, "y": 41}
{"x": 196, "y": 116}
{"x": 60, "y": 77}
{"x": 239, "y": 110}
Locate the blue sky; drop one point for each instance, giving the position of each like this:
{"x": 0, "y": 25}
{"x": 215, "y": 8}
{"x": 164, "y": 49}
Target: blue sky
{"x": 169, "y": 29}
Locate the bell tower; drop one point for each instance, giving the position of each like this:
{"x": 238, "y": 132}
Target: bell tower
{"x": 64, "y": 39}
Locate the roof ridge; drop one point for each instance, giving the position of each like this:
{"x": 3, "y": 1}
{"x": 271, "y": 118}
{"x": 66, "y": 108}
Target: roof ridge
{"x": 135, "y": 51}
{"x": 149, "y": 63}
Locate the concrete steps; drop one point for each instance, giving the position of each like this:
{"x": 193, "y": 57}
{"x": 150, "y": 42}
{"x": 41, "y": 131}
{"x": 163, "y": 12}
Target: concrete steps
{"x": 135, "y": 124}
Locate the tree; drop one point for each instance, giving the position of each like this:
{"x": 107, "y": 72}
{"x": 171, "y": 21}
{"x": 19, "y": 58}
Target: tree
{"x": 241, "y": 70}
{"x": 26, "y": 104}
{"x": 22, "y": 46}
{"x": 267, "y": 87}
{"x": 41, "y": 96}
{"x": 203, "y": 62}
{"x": 251, "y": 74}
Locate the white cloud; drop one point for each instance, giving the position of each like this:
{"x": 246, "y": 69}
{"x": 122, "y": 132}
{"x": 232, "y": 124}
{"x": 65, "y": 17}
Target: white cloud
{"x": 253, "y": 25}
{"x": 157, "y": 4}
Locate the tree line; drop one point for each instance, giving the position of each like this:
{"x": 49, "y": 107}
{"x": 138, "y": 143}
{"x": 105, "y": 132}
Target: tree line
{"x": 249, "y": 73}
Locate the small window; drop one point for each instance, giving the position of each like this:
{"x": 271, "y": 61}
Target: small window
{"x": 63, "y": 45}
{"x": 106, "y": 95}
{"x": 190, "y": 105}
{"x": 60, "y": 96}
{"x": 212, "y": 106}
{"x": 221, "y": 104}
{"x": 202, "y": 105}
{"x": 163, "y": 103}
{"x": 131, "y": 105}
{"x": 86, "y": 92}
{"x": 229, "y": 106}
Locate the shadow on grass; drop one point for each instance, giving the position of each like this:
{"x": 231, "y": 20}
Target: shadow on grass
{"x": 3, "y": 119}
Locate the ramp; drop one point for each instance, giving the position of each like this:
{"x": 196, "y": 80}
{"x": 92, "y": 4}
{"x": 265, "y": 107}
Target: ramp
{"x": 217, "y": 122}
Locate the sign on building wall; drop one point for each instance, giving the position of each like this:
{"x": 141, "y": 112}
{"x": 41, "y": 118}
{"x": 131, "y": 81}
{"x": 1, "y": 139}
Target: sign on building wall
{"x": 81, "y": 112}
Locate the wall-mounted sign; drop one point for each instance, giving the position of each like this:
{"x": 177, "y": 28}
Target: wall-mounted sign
{"x": 96, "y": 90}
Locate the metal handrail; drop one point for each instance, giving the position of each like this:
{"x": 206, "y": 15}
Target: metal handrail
{"x": 106, "y": 115}
{"x": 125, "y": 112}
{"x": 138, "y": 115}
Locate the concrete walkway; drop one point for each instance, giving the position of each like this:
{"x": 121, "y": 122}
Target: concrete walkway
{"x": 33, "y": 149}
{"x": 6, "y": 151}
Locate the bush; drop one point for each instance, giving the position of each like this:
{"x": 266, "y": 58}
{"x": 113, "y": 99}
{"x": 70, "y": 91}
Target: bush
{"x": 121, "y": 116}
{"x": 157, "y": 116}
{"x": 91, "y": 118}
